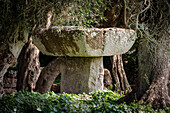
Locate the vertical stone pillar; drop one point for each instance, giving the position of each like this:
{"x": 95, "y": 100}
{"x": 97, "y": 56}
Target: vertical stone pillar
{"x": 82, "y": 74}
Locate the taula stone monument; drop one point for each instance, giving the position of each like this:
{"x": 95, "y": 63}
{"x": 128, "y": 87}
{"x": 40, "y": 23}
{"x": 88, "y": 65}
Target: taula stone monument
{"x": 83, "y": 50}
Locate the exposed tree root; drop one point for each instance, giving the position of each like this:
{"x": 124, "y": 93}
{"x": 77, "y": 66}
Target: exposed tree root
{"x": 119, "y": 74}
{"x": 157, "y": 94}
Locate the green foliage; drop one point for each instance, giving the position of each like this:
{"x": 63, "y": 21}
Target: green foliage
{"x": 96, "y": 101}
{"x": 19, "y": 17}
{"x": 131, "y": 63}
{"x": 58, "y": 79}
{"x": 86, "y": 13}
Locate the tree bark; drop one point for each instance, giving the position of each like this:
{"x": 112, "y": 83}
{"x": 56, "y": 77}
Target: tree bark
{"x": 157, "y": 94}
{"x": 169, "y": 86}
{"x": 153, "y": 76}
{"x": 145, "y": 67}
{"x": 107, "y": 79}
{"x": 28, "y": 67}
{"x": 9, "y": 51}
{"x": 7, "y": 59}
{"x": 116, "y": 18}
{"x": 123, "y": 75}
{"x": 119, "y": 74}
{"x": 48, "y": 75}
{"x": 4, "y": 65}
{"x": 114, "y": 72}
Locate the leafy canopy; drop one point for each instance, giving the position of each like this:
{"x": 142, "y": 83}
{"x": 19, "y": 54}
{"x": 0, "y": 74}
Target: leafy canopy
{"x": 20, "y": 16}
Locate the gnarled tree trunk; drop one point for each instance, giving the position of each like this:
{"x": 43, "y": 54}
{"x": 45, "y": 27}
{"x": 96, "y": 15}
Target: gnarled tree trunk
{"x": 115, "y": 18}
{"x": 157, "y": 94}
{"x": 119, "y": 75}
{"x": 9, "y": 53}
{"x": 153, "y": 77}
{"x": 28, "y": 67}
{"x": 7, "y": 59}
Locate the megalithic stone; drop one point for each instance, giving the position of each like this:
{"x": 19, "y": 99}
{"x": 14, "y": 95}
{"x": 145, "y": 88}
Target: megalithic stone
{"x": 84, "y": 49}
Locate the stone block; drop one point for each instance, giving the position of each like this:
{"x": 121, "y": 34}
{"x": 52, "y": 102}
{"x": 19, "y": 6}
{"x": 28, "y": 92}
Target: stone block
{"x": 84, "y": 42}
{"x": 83, "y": 50}
{"x": 80, "y": 75}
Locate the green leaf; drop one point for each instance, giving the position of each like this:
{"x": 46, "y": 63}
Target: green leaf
{"x": 19, "y": 101}
{"x": 39, "y": 109}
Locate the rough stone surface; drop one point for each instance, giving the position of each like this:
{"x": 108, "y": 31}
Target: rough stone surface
{"x": 107, "y": 82}
{"x": 83, "y": 70}
{"x": 80, "y": 75}
{"x": 89, "y": 42}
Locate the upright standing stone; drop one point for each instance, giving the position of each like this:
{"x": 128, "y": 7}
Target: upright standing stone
{"x": 82, "y": 75}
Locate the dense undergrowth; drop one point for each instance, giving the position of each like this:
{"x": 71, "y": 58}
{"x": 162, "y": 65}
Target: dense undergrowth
{"x": 94, "y": 102}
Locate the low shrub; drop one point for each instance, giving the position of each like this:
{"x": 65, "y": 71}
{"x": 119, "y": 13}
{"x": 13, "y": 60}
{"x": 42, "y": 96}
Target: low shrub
{"x": 94, "y": 102}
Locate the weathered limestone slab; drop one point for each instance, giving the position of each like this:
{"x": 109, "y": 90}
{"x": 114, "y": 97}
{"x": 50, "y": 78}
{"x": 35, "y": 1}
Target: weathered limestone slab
{"x": 89, "y": 42}
{"x": 80, "y": 75}
{"x": 83, "y": 70}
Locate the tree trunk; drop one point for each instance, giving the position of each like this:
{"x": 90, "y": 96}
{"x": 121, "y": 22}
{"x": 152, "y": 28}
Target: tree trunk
{"x": 169, "y": 85}
{"x": 48, "y": 75}
{"x": 28, "y": 67}
{"x": 153, "y": 77}
{"x": 6, "y": 60}
{"x": 115, "y": 18}
{"x": 107, "y": 79}
{"x": 9, "y": 52}
{"x": 169, "y": 72}
{"x": 157, "y": 94}
{"x": 145, "y": 67}
{"x": 119, "y": 75}
{"x": 114, "y": 72}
